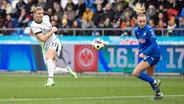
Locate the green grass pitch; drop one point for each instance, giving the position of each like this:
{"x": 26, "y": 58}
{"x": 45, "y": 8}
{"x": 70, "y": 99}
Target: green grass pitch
{"x": 29, "y": 89}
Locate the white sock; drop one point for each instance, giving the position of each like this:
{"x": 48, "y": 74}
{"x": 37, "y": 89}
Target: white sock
{"x": 60, "y": 70}
{"x": 51, "y": 79}
{"x": 50, "y": 67}
{"x": 155, "y": 81}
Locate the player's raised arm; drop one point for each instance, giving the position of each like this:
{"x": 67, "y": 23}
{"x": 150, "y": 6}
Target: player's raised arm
{"x": 45, "y": 37}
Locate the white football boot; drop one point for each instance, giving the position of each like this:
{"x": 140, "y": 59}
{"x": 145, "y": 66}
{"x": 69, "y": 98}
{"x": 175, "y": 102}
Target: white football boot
{"x": 72, "y": 73}
{"x": 50, "y": 82}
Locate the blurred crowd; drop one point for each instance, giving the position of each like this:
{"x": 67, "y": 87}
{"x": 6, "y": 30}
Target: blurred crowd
{"x": 96, "y": 14}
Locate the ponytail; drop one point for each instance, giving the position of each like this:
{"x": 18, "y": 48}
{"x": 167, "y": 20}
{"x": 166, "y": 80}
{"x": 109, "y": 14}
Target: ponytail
{"x": 139, "y": 9}
{"x": 34, "y": 8}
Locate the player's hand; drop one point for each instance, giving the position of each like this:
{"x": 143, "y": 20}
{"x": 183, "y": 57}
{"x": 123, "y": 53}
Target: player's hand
{"x": 137, "y": 52}
{"x": 54, "y": 29}
{"x": 141, "y": 55}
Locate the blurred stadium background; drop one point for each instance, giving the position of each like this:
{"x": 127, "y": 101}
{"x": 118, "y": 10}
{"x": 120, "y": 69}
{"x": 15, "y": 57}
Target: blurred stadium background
{"x": 104, "y": 76}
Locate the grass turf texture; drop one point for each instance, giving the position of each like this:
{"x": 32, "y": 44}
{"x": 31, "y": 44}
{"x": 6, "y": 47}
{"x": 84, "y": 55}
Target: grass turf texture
{"x": 29, "y": 89}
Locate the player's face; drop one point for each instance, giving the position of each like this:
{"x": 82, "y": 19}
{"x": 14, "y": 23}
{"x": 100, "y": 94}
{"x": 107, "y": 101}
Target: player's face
{"x": 141, "y": 21}
{"x": 38, "y": 15}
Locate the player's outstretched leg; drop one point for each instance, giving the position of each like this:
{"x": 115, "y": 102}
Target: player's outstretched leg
{"x": 71, "y": 72}
{"x": 60, "y": 70}
{"x": 50, "y": 82}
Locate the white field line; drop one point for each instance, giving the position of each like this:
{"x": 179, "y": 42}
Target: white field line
{"x": 79, "y": 98}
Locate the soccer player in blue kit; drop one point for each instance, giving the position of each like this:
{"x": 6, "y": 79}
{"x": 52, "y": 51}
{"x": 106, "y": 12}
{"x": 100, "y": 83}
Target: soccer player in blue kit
{"x": 148, "y": 51}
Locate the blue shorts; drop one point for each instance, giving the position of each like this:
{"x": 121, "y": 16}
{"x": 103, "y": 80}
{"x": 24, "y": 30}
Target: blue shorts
{"x": 151, "y": 60}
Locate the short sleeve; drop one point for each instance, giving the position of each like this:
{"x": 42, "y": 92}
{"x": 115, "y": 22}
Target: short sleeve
{"x": 46, "y": 17}
{"x": 36, "y": 30}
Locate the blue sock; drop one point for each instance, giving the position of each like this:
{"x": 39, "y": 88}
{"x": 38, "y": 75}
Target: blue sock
{"x": 152, "y": 86}
{"x": 158, "y": 91}
{"x": 146, "y": 77}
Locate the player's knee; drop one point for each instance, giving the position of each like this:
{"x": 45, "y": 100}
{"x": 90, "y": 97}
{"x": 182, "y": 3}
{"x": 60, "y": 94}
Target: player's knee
{"x": 49, "y": 56}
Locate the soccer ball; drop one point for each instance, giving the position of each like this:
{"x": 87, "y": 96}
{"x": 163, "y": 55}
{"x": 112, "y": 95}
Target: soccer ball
{"x": 98, "y": 44}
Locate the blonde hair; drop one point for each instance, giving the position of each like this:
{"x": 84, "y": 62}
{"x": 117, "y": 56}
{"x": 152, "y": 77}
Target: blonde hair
{"x": 139, "y": 8}
{"x": 34, "y": 8}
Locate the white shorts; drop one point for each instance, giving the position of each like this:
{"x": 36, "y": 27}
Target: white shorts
{"x": 56, "y": 44}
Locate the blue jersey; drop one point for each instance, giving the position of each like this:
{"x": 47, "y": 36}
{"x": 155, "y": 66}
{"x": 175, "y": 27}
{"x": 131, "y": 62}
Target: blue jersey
{"x": 147, "y": 41}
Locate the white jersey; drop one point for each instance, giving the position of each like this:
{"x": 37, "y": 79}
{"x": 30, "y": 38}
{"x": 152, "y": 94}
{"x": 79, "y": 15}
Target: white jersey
{"x": 44, "y": 27}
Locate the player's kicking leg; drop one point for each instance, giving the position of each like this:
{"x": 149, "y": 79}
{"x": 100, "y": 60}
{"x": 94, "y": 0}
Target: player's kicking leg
{"x": 60, "y": 70}
{"x": 71, "y": 72}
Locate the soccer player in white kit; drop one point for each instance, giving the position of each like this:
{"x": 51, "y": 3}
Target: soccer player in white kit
{"x": 45, "y": 33}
